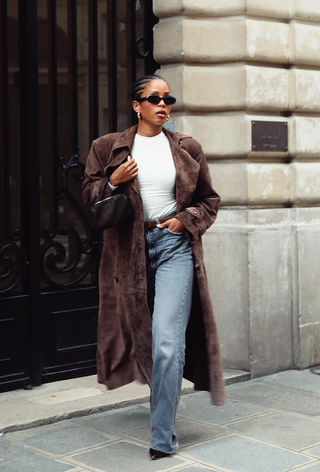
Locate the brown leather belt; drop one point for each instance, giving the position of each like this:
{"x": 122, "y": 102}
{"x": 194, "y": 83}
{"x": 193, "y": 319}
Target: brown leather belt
{"x": 150, "y": 224}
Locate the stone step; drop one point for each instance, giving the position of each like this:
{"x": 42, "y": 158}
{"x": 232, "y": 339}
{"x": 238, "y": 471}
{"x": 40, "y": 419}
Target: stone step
{"x": 57, "y": 401}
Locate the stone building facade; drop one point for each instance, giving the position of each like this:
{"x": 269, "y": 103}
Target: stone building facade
{"x": 67, "y": 69}
{"x": 229, "y": 64}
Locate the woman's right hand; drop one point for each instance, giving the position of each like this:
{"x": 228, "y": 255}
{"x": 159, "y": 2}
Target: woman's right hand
{"x": 127, "y": 171}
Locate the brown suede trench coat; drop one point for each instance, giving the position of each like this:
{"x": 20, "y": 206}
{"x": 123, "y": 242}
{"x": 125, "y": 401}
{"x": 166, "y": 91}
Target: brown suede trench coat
{"x": 125, "y": 323}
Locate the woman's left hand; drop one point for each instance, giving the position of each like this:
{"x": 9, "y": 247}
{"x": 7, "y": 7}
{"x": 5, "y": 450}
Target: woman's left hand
{"x": 173, "y": 225}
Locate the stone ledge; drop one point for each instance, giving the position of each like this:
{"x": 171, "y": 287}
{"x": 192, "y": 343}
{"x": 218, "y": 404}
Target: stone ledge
{"x": 58, "y": 401}
{"x": 233, "y": 376}
{"x": 315, "y": 370}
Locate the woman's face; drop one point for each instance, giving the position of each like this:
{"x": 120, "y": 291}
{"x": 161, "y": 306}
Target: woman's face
{"x": 150, "y": 113}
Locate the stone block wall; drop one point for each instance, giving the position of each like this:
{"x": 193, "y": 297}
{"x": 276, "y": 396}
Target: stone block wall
{"x": 228, "y": 64}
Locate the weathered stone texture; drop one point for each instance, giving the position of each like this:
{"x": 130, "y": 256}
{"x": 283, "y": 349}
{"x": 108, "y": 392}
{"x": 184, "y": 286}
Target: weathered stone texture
{"x": 166, "y": 51}
{"x": 307, "y": 10}
{"x": 305, "y": 90}
{"x": 267, "y": 88}
{"x": 220, "y": 135}
{"x": 271, "y": 8}
{"x": 251, "y": 253}
{"x": 268, "y": 184}
{"x": 305, "y": 137}
{"x": 270, "y": 291}
{"x": 228, "y": 87}
{"x": 226, "y": 39}
{"x": 231, "y": 63}
{"x": 226, "y": 254}
{"x": 305, "y": 189}
{"x": 309, "y": 293}
{"x": 229, "y": 40}
{"x": 268, "y": 41}
{"x": 225, "y": 86}
{"x": 305, "y": 44}
{"x": 189, "y": 39}
{"x": 309, "y": 345}
{"x": 229, "y": 179}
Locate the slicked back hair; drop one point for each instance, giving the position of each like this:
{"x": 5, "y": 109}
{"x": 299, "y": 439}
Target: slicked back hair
{"x": 140, "y": 84}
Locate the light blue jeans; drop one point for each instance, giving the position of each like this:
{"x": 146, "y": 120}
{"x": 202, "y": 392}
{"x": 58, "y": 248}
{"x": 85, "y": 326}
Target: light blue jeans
{"x": 170, "y": 281}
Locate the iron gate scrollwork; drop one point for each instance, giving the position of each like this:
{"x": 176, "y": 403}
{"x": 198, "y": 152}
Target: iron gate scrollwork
{"x": 83, "y": 246}
{"x": 68, "y": 67}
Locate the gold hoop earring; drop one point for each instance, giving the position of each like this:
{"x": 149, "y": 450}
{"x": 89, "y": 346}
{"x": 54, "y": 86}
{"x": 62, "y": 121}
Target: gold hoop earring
{"x": 138, "y": 115}
{"x": 168, "y": 118}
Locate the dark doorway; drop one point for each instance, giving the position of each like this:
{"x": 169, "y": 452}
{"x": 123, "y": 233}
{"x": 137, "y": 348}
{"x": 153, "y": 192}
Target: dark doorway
{"x": 67, "y": 71}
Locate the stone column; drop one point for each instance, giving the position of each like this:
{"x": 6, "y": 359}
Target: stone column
{"x": 229, "y": 63}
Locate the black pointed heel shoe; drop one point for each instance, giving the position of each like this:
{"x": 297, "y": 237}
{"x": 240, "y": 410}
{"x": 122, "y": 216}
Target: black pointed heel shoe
{"x": 154, "y": 454}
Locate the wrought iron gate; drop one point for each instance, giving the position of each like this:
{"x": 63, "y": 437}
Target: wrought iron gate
{"x": 67, "y": 71}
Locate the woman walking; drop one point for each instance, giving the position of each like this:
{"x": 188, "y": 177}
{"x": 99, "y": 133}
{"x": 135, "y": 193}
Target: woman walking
{"x": 156, "y": 323}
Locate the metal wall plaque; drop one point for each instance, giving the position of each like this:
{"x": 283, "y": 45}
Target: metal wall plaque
{"x": 270, "y": 136}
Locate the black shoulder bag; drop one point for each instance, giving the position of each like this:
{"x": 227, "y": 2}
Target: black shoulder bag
{"x": 110, "y": 211}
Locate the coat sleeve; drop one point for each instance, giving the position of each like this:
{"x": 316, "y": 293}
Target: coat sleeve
{"x": 95, "y": 174}
{"x": 203, "y": 209}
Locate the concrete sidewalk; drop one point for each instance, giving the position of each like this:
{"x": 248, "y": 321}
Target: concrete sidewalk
{"x": 271, "y": 424}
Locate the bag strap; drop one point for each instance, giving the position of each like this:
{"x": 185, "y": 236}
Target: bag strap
{"x": 105, "y": 183}
{"x": 99, "y": 191}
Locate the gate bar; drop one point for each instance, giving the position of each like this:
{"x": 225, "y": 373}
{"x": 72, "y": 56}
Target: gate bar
{"x": 30, "y": 203}
{"x": 133, "y": 63}
{"x": 95, "y": 65}
{"x": 112, "y": 65}
{"x": 93, "y": 70}
{"x": 74, "y": 33}
{"x": 5, "y": 98}
{"x": 53, "y": 71}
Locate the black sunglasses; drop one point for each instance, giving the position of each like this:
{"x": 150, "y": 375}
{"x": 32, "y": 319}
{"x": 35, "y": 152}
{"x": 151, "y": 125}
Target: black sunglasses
{"x": 155, "y": 99}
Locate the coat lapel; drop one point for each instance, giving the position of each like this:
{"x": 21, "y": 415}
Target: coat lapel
{"x": 122, "y": 146}
{"x": 187, "y": 170}
{"x": 120, "y": 149}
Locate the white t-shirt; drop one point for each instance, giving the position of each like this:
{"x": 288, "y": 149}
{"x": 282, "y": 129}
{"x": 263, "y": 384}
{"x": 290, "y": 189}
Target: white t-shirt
{"x": 156, "y": 175}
